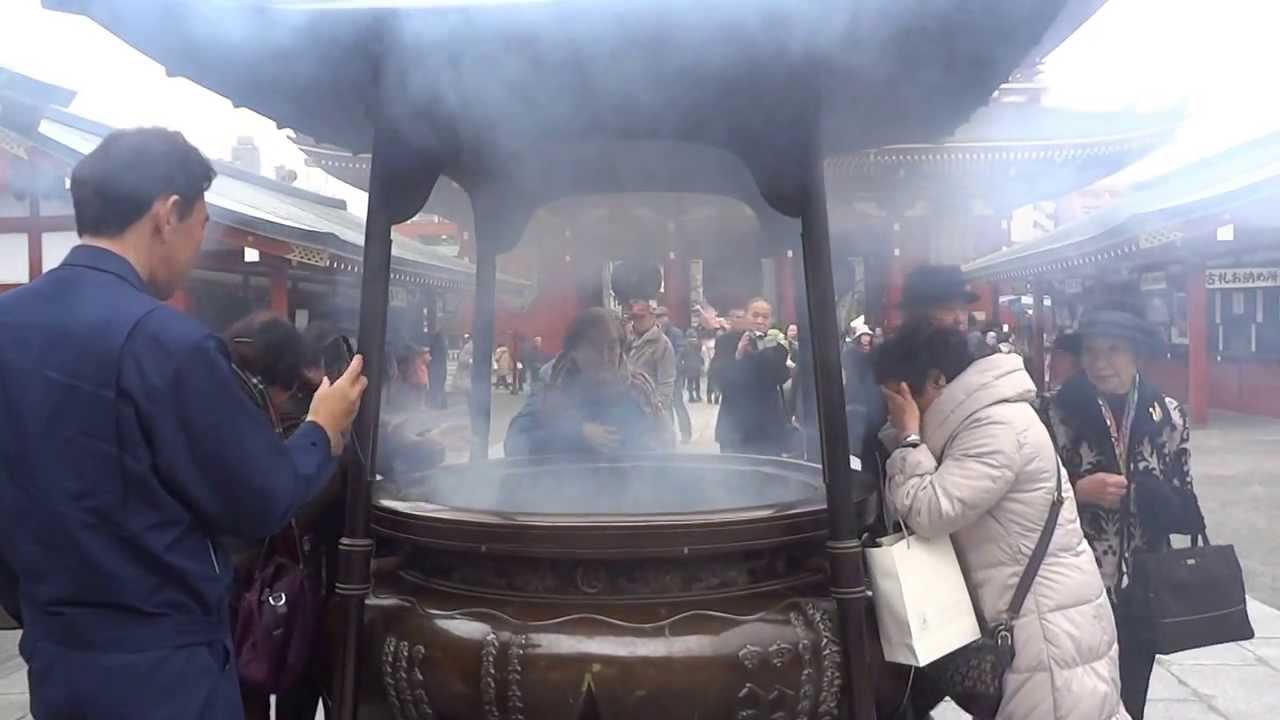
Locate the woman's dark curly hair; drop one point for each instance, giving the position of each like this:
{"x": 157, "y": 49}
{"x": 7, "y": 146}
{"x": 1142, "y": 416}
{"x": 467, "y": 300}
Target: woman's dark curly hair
{"x": 269, "y": 347}
{"x": 918, "y": 348}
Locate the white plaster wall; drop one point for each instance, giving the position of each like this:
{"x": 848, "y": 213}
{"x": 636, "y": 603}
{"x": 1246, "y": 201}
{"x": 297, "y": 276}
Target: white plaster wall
{"x": 13, "y": 258}
{"x": 56, "y": 247}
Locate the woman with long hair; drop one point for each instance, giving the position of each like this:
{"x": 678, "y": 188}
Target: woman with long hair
{"x": 973, "y": 461}
{"x": 1126, "y": 448}
{"x": 593, "y": 401}
{"x": 267, "y": 353}
{"x": 272, "y": 360}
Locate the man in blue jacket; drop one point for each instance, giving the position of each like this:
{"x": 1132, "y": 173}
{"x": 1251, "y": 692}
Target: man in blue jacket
{"x": 126, "y": 447}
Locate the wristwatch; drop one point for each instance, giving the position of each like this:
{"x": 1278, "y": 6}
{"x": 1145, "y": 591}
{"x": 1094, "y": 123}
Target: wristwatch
{"x": 912, "y": 440}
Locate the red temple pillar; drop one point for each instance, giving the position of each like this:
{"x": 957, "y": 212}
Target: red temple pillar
{"x": 35, "y": 238}
{"x": 35, "y": 254}
{"x": 560, "y": 297}
{"x": 893, "y": 290}
{"x": 906, "y": 253}
{"x": 997, "y": 318}
{"x": 1039, "y": 321}
{"x": 1197, "y": 347}
{"x": 785, "y": 273}
{"x": 675, "y": 287}
{"x": 280, "y": 291}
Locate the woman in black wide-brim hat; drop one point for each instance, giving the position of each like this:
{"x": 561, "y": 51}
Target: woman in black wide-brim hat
{"x": 1126, "y": 448}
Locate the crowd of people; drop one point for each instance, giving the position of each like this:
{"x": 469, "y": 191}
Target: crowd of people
{"x": 974, "y": 452}
{"x": 966, "y": 444}
{"x": 176, "y": 465}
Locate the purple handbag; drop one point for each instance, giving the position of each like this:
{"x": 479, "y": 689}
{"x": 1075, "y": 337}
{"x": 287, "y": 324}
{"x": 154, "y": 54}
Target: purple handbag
{"x": 277, "y": 622}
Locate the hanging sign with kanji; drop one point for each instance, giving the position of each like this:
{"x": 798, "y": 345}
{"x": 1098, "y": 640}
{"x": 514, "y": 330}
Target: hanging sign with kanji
{"x": 1240, "y": 278}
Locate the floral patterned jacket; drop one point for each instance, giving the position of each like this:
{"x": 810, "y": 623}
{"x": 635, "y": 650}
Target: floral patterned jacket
{"x": 1161, "y": 501}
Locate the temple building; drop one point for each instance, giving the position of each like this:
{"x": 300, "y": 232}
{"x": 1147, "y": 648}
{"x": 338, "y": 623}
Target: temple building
{"x": 891, "y": 208}
{"x": 1200, "y": 246}
{"x": 984, "y": 188}
{"x": 269, "y": 244}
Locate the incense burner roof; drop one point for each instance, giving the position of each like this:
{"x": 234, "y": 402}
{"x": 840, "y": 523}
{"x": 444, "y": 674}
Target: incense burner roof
{"x": 477, "y": 89}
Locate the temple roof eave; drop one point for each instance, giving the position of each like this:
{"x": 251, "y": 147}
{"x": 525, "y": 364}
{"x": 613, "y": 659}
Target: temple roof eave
{"x": 315, "y": 228}
{"x": 1002, "y": 167}
{"x": 1201, "y": 193}
{"x": 980, "y": 154}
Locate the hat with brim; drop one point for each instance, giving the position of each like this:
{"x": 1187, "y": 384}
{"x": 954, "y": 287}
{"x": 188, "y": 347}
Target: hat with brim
{"x": 933, "y": 285}
{"x": 1144, "y": 337}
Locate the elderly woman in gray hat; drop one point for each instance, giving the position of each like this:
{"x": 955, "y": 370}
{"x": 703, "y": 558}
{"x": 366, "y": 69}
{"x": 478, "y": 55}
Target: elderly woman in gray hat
{"x": 1126, "y": 448}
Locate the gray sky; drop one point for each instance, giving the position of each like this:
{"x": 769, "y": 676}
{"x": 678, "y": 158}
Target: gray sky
{"x": 1218, "y": 56}
{"x": 120, "y": 86}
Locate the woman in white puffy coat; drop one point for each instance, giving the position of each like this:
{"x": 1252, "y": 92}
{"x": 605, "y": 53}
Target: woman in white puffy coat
{"x": 974, "y": 461}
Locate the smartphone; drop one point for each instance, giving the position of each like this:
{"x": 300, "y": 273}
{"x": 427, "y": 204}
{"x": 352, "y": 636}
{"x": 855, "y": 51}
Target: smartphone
{"x": 336, "y": 356}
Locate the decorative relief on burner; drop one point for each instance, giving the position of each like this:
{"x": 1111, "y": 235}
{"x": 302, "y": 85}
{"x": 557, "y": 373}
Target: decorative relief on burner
{"x": 756, "y": 703}
{"x": 591, "y": 577}
{"x": 750, "y": 655}
{"x": 780, "y": 653}
{"x": 489, "y": 677}
{"x": 490, "y": 651}
{"x": 808, "y": 676}
{"x": 832, "y": 661}
{"x": 515, "y": 659}
{"x": 815, "y": 647}
{"x": 402, "y": 680}
{"x": 621, "y": 578}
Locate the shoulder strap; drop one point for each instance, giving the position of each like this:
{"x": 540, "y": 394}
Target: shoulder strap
{"x": 1042, "y": 545}
{"x": 1038, "y": 553}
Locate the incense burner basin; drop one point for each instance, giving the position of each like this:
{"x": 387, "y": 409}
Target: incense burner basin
{"x": 665, "y": 586}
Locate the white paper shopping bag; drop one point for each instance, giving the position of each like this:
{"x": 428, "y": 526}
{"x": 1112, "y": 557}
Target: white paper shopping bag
{"x": 923, "y": 608}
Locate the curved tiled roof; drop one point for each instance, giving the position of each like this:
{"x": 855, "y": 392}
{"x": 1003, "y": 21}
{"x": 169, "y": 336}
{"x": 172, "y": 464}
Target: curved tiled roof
{"x": 319, "y": 227}
{"x": 1147, "y": 217}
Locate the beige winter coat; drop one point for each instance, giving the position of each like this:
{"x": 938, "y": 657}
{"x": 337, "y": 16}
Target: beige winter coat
{"x": 985, "y": 475}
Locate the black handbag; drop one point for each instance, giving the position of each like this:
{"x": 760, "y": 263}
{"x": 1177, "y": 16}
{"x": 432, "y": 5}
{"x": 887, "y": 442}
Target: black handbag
{"x": 1188, "y": 598}
{"x": 973, "y": 676}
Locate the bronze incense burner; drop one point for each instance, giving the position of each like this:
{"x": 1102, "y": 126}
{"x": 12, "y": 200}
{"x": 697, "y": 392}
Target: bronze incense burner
{"x": 673, "y": 586}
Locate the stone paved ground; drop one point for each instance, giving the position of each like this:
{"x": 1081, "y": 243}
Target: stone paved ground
{"x": 1232, "y": 460}
{"x": 1227, "y": 682}
{"x": 1236, "y": 461}
{"x": 13, "y": 678}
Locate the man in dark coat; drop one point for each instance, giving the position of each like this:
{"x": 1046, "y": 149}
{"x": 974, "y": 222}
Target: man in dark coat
{"x": 127, "y": 447}
{"x": 690, "y": 365}
{"x": 438, "y": 371}
{"x": 938, "y": 295}
{"x": 750, "y": 369}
